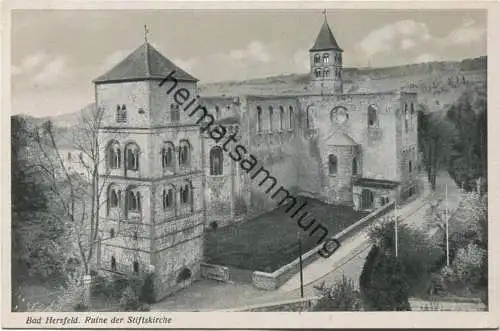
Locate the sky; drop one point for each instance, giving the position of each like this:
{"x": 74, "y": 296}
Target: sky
{"x": 55, "y": 54}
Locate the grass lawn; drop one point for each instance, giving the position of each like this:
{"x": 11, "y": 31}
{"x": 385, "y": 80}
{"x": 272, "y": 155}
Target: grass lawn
{"x": 269, "y": 241}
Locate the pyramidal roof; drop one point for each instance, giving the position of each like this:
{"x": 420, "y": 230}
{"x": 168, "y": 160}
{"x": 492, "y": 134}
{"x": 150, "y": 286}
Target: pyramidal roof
{"x": 325, "y": 40}
{"x": 143, "y": 64}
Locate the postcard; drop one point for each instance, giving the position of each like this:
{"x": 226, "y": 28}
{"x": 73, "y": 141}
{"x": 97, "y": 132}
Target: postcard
{"x": 223, "y": 165}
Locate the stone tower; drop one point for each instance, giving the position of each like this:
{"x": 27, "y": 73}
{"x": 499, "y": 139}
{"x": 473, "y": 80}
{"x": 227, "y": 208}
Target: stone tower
{"x": 326, "y": 62}
{"x": 152, "y": 206}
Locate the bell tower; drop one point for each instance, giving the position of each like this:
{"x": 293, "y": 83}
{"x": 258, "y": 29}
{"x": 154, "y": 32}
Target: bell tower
{"x": 326, "y": 61}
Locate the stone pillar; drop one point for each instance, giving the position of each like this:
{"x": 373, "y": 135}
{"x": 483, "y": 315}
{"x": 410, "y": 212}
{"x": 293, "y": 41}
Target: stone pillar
{"x": 87, "y": 289}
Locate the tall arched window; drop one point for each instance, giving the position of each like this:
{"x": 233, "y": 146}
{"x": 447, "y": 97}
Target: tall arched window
{"x": 354, "y": 166}
{"x": 167, "y": 155}
{"x": 292, "y": 118}
{"x": 259, "y": 119}
{"x": 309, "y": 122}
{"x": 136, "y": 267}
{"x": 282, "y": 118}
{"x": 113, "y": 198}
{"x": 133, "y": 200}
{"x": 174, "y": 113}
{"x": 114, "y": 155}
{"x": 168, "y": 198}
{"x": 185, "y": 194}
{"x": 113, "y": 263}
{"x": 372, "y": 115}
{"x": 410, "y": 166}
{"x": 217, "y": 112}
{"x": 111, "y": 233}
{"x": 326, "y": 58}
{"x": 406, "y": 117}
{"x": 332, "y": 164}
{"x": 132, "y": 156}
{"x": 326, "y": 73}
{"x": 271, "y": 118}
{"x": 317, "y": 58}
{"x": 216, "y": 161}
{"x": 184, "y": 153}
{"x": 317, "y": 73}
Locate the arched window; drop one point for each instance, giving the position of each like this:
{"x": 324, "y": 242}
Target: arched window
{"x": 113, "y": 263}
{"x": 174, "y": 113}
{"x": 410, "y": 166}
{"x": 136, "y": 267}
{"x": 135, "y": 237}
{"x": 271, "y": 115}
{"x": 317, "y": 73}
{"x": 111, "y": 233}
{"x": 317, "y": 58}
{"x": 132, "y": 156}
{"x": 372, "y": 115}
{"x": 326, "y": 58}
{"x": 332, "y": 164}
{"x": 168, "y": 198}
{"x": 326, "y": 73}
{"x": 308, "y": 117}
{"x": 282, "y": 118}
{"x": 114, "y": 155}
{"x": 184, "y": 153}
{"x": 217, "y": 112}
{"x": 216, "y": 161}
{"x": 167, "y": 155}
{"x": 406, "y": 117}
{"x": 259, "y": 119}
{"x": 113, "y": 198}
{"x": 133, "y": 200}
{"x": 290, "y": 109}
{"x": 354, "y": 166}
{"x": 185, "y": 194}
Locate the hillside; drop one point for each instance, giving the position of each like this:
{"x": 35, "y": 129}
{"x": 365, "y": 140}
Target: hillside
{"x": 438, "y": 84}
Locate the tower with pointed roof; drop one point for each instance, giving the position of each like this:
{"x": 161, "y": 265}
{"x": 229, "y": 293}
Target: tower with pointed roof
{"x": 326, "y": 61}
{"x": 152, "y": 216}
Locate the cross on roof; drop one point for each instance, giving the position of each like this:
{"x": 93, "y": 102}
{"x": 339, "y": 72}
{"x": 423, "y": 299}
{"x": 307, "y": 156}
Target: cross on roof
{"x": 146, "y": 31}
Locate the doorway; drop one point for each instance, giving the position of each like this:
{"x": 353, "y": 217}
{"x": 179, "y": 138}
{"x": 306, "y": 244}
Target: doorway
{"x": 366, "y": 199}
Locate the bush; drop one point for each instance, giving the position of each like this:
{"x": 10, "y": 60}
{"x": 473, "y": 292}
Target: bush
{"x": 214, "y": 225}
{"x": 342, "y": 297}
{"x": 147, "y": 291}
{"x": 129, "y": 300}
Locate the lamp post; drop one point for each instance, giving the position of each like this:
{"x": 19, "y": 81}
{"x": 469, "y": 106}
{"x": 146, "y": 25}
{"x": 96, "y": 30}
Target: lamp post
{"x": 396, "y": 230}
{"x": 300, "y": 266}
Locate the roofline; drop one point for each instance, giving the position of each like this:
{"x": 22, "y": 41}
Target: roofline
{"x": 325, "y": 49}
{"x": 139, "y": 79}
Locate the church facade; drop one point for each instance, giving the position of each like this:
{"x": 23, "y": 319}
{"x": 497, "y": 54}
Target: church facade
{"x": 167, "y": 180}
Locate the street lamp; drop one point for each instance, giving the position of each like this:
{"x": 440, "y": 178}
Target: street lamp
{"x": 300, "y": 266}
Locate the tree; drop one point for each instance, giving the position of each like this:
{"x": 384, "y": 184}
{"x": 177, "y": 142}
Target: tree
{"x": 383, "y": 286}
{"x": 418, "y": 255}
{"x": 434, "y": 142}
{"x": 75, "y": 198}
{"x": 343, "y": 296}
{"x": 468, "y": 156}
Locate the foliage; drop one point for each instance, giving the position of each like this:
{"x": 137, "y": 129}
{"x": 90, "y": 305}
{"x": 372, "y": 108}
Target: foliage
{"x": 213, "y": 225}
{"x": 467, "y": 264}
{"x": 418, "y": 255}
{"x": 468, "y": 156}
{"x": 343, "y": 296}
{"x": 129, "y": 300}
{"x": 384, "y": 287}
{"x": 148, "y": 291}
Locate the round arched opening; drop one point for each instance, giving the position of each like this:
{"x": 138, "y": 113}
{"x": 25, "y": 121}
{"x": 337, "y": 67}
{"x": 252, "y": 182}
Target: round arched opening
{"x": 184, "y": 275}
